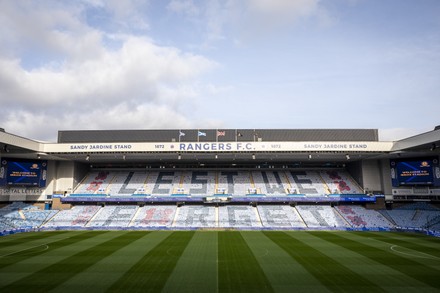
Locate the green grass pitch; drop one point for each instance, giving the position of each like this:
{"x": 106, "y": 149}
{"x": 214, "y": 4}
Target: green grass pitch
{"x": 219, "y": 261}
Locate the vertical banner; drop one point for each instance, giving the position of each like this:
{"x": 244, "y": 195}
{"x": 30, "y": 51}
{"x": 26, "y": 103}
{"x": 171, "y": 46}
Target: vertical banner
{"x": 3, "y": 170}
{"x": 43, "y": 174}
{"x": 436, "y": 170}
{"x": 393, "y": 170}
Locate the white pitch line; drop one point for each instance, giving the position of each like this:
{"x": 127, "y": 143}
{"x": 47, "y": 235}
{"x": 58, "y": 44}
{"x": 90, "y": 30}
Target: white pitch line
{"x": 47, "y": 247}
{"x": 392, "y": 247}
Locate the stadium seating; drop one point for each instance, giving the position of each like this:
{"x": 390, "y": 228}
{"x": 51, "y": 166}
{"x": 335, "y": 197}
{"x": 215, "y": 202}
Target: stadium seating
{"x": 207, "y": 183}
{"x": 360, "y": 217}
{"x": 199, "y": 183}
{"x": 307, "y": 182}
{"x": 113, "y": 216}
{"x": 20, "y": 215}
{"x": 270, "y": 183}
{"x": 340, "y": 182}
{"x": 418, "y": 215}
{"x": 196, "y": 217}
{"x": 272, "y": 216}
{"x": 154, "y": 216}
{"x": 78, "y": 216}
{"x": 321, "y": 216}
{"x": 280, "y": 216}
{"x": 95, "y": 183}
{"x": 238, "y": 217}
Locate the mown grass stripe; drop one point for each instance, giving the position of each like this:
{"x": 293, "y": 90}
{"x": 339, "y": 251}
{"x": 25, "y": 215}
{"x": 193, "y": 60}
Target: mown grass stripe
{"x": 151, "y": 272}
{"x": 6, "y": 241}
{"x": 63, "y": 270}
{"x": 415, "y": 270}
{"x": 239, "y": 271}
{"x": 16, "y": 258}
{"x": 101, "y": 276}
{"x": 282, "y": 271}
{"x": 383, "y": 276}
{"x": 407, "y": 243}
{"x": 429, "y": 240}
{"x": 196, "y": 270}
{"x": 23, "y": 244}
{"x": 335, "y": 276}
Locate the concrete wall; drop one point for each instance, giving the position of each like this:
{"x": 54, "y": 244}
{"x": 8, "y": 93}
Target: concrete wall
{"x": 386, "y": 176}
{"x": 64, "y": 174}
{"x": 80, "y": 172}
{"x": 371, "y": 175}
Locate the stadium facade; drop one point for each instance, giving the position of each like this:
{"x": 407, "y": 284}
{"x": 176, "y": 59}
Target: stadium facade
{"x": 123, "y": 171}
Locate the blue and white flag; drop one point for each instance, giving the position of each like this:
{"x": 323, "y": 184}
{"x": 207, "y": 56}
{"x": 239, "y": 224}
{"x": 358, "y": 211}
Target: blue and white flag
{"x": 201, "y": 133}
{"x": 181, "y": 133}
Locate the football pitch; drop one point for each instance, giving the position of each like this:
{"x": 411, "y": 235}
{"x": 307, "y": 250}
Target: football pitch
{"x": 219, "y": 261}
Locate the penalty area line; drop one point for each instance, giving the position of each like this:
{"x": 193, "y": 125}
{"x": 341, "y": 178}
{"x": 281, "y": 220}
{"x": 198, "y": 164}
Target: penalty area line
{"x": 428, "y": 256}
{"x": 46, "y": 248}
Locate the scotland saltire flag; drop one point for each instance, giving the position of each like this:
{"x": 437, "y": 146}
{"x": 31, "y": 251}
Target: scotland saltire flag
{"x": 201, "y": 133}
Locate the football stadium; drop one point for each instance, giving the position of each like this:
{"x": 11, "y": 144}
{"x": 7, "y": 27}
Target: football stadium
{"x": 220, "y": 210}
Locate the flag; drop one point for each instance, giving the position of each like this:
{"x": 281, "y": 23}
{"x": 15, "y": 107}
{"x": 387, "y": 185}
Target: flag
{"x": 221, "y": 133}
{"x": 181, "y": 133}
{"x": 201, "y": 133}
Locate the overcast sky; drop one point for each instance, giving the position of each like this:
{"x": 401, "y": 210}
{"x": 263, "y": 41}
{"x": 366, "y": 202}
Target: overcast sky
{"x": 95, "y": 64}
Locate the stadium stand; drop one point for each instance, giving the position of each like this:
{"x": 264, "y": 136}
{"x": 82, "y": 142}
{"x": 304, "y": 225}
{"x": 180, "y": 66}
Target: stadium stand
{"x": 307, "y": 182}
{"x": 196, "y": 217}
{"x": 78, "y": 216}
{"x": 207, "y": 183}
{"x": 280, "y": 216}
{"x": 95, "y": 183}
{"x": 360, "y": 217}
{"x": 340, "y": 182}
{"x": 113, "y": 216}
{"x": 242, "y": 179}
{"x": 418, "y": 215}
{"x": 238, "y": 217}
{"x": 20, "y": 215}
{"x": 154, "y": 216}
{"x": 321, "y": 216}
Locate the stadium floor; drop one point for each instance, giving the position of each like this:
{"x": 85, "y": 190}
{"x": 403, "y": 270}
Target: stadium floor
{"x": 219, "y": 261}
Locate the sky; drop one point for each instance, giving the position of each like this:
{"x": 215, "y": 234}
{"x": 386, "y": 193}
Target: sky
{"x": 179, "y": 64}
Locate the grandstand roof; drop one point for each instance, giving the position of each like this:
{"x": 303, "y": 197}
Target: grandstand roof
{"x": 165, "y": 146}
{"x": 191, "y": 135}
